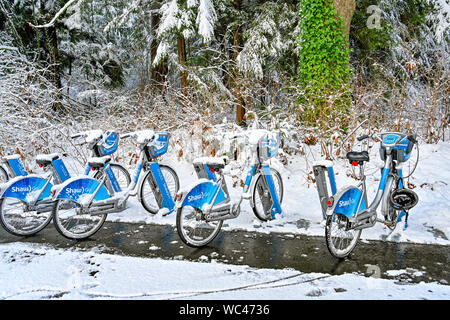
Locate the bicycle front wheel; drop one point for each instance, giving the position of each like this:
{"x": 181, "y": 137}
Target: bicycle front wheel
{"x": 260, "y": 191}
{"x": 19, "y": 220}
{"x": 339, "y": 238}
{"x": 74, "y": 224}
{"x": 193, "y": 229}
{"x": 146, "y": 194}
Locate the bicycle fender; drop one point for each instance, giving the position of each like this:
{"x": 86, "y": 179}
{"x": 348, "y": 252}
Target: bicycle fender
{"x": 25, "y": 188}
{"x": 346, "y": 202}
{"x": 78, "y": 188}
{"x": 200, "y": 194}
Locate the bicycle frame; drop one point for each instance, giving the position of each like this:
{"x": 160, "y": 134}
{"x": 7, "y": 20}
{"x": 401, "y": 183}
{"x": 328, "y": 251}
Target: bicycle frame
{"x": 360, "y": 215}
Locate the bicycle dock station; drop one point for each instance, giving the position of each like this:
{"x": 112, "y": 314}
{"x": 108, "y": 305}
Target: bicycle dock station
{"x": 325, "y": 187}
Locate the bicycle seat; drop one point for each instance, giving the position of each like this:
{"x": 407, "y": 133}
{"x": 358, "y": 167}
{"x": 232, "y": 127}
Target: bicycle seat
{"x": 358, "y": 157}
{"x": 46, "y": 159}
{"x": 98, "y": 162}
{"x": 214, "y": 163}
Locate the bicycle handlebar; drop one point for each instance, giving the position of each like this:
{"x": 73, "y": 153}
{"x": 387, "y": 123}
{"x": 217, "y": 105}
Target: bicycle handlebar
{"x": 363, "y": 137}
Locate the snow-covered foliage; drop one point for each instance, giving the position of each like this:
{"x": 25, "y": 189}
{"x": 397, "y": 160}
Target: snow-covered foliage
{"x": 268, "y": 37}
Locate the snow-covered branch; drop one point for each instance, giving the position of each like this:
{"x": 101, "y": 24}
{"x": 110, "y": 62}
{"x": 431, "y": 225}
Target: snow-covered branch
{"x": 57, "y": 15}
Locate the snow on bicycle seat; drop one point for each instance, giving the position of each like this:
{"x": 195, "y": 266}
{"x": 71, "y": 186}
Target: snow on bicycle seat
{"x": 359, "y": 157}
{"x": 213, "y": 162}
{"x": 46, "y": 159}
{"x": 97, "y": 162}
{"x": 144, "y": 136}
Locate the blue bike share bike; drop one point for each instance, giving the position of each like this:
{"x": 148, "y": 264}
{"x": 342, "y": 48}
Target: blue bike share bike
{"x": 81, "y": 204}
{"x": 204, "y": 206}
{"x": 25, "y": 200}
{"x": 348, "y": 212}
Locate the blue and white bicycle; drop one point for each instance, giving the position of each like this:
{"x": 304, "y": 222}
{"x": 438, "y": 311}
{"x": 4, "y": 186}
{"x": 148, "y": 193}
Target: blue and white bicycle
{"x": 348, "y": 212}
{"x": 25, "y": 200}
{"x": 83, "y": 203}
{"x": 204, "y": 206}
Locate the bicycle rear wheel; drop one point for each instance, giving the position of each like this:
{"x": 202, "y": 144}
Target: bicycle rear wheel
{"x": 193, "y": 229}
{"x": 19, "y": 220}
{"x": 339, "y": 238}
{"x": 261, "y": 188}
{"x": 72, "y": 223}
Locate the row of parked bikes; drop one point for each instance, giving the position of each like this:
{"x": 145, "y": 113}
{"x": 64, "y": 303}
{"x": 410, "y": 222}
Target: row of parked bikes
{"x": 79, "y": 205}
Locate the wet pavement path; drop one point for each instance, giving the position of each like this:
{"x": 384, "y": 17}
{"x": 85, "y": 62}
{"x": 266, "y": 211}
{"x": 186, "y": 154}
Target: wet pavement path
{"x": 419, "y": 262}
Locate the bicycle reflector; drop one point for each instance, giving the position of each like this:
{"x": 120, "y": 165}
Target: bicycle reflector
{"x": 403, "y": 199}
{"x": 330, "y": 201}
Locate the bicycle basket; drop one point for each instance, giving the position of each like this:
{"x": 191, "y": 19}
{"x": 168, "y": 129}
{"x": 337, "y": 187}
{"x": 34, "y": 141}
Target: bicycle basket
{"x": 158, "y": 146}
{"x": 268, "y": 146}
{"x": 403, "y": 199}
{"x": 401, "y": 151}
{"x": 109, "y": 144}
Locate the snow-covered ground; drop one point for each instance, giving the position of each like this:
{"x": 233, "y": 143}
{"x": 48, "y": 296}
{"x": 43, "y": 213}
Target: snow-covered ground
{"x": 30, "y": 271}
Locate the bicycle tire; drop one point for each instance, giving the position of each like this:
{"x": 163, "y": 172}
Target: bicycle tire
{"x": 65, "y": 227}
{"x": 259, "y": 213}
{"x": 342, "y": 223}
{"x": 189, "y": 237}
{"x": 27, "y": 226}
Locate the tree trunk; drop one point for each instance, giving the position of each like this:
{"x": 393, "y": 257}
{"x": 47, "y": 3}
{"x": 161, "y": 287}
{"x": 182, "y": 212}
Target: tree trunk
{"x": 182, "y": 60}
{"x": 52, "y": 40}
{"x": 240, "y": 110}
{"x": 345, "y": 8}
{"x": 158, "y": 73}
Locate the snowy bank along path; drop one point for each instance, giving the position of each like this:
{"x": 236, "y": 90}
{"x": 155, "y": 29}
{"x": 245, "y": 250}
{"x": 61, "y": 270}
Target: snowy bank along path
{"x": 429, "y": 221}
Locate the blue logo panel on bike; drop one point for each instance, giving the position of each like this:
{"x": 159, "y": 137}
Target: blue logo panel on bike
{"x": 77, "y": 189}
{"x": 26, "y": 189}
{"x": 348, "y": 203}
{"x": 202, "y": 194}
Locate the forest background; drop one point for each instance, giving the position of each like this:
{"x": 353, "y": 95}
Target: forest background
{"x": 315, "y": 70}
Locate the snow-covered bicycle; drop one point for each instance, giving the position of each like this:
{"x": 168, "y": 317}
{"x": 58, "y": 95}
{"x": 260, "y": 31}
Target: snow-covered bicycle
{"x": 348, "y": 212}
{"x": 25, "y": 200}
{"x": 83, "y": 203}
{"x": 204, "y": 206}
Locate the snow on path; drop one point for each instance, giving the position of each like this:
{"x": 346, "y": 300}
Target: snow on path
{"x": 29, "y": 271}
